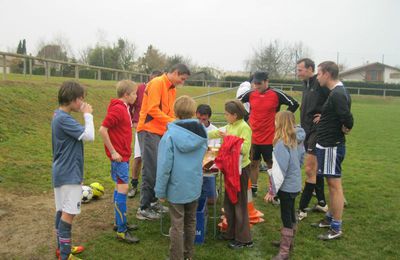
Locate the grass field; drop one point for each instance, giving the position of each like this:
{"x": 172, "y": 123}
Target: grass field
{"x": 371, "y": 181}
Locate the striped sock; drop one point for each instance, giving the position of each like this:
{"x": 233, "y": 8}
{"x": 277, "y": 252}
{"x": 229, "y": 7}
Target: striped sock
{"x": 64, "y": 229}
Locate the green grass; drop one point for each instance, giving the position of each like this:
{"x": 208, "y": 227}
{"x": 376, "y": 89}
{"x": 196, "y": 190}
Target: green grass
{"x": 371, "y": 176}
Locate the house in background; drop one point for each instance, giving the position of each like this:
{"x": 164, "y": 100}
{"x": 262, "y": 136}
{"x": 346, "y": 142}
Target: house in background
{"x": 372, "y": 72}
{"x": 8, "y": 64}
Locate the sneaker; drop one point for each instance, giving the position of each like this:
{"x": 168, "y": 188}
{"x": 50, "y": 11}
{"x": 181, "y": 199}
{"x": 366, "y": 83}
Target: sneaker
{"x": 130, "y": 227}
{"x": 301, "y": 215}
{"x": 74, "y": 250}
{"x": 322, "y": 224}
{"x": 127, "y": 237}
{"x": 319, "y": 208}
{"x": 147, "y": 214}
{"x": 72, "y": 257}
{"x": 238, "y": 245}
{"x": 132, "y": 192}
{"x": 331, "y": 234}
{"x": 158, "y": 207}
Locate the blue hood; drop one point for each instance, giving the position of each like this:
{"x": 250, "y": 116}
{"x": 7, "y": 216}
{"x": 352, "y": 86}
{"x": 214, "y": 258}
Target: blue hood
{"x": 188, "y": 135}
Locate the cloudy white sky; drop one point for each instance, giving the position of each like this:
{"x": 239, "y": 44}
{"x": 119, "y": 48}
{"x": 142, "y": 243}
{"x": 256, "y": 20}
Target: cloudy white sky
{"x": 220, "y": 33}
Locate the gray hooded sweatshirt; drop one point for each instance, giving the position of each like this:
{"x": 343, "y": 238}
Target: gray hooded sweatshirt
{"x": 285, "y": 174}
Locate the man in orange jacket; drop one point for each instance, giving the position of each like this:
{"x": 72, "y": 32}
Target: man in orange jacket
{"x": 156, "y": 112}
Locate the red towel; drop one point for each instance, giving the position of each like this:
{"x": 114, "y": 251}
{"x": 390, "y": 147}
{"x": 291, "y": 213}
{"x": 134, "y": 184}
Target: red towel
{"x": 228, "y": 161}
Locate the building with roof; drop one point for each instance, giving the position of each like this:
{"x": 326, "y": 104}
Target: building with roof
{"x": 372, "y": 72}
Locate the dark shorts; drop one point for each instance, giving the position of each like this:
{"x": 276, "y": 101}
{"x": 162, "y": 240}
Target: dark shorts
{"x": 310, "y": 142}
{"x": 264, "y": 150}
{"x": 120, "y": 172}
{"x": 330, "y": 160}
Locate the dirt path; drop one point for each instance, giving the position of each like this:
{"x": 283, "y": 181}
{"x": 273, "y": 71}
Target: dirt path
{"x": 27, "y": 224}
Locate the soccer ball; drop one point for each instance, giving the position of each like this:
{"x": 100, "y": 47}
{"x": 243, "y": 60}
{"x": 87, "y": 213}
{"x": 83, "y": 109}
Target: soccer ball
{"x": 87, "y": 194}
{"x": 98, "y": 189}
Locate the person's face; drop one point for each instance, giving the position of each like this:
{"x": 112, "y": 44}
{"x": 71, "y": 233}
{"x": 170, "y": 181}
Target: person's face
{"x": 177, "y": 79}
{"x": 77, "y": 104}
{"x": 261, "y": 86}
{"x": 131, "y": 98}
{"x": 304, "y": 73}
{"x": 322, "y": 77}
{"x": 230, "y": 118}
{"x": 204, "y": 119}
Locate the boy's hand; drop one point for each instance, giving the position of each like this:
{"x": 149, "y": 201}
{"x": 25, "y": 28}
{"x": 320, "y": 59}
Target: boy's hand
{"x": 86, "y": 108}
{"x": 115, "y": 156}
{"x": 268, "y": 197}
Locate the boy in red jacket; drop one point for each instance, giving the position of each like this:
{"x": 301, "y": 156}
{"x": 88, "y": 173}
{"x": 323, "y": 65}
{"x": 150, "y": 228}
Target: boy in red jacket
{"x": 116, "y": 131}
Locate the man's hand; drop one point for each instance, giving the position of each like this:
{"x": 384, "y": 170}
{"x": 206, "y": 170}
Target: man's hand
{"x": 86, "y": 108}
{"x": 316, "y": 119}
{"x": 345, "y": 130}
{"x": 162, "y": 200}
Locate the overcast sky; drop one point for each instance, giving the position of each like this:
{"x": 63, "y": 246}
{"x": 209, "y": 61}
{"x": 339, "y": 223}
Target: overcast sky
{"x": 220, "y": 33}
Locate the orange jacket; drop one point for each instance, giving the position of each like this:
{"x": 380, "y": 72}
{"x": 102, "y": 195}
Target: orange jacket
{"x": 157, "y": 106}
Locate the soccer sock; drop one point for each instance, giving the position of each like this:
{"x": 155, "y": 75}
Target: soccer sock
{"x": 329, "y": 216}
{"x": 306, "y": 196}
{"x": 64, "y": 230}
{"x": 336, "y": 225}
{"x": 114, "y": 198}
{"x": 319, "y": 190}
{"x": 58, "y": 218}
{"x": 120, "y": 212}
{"x": 134, "y": 182}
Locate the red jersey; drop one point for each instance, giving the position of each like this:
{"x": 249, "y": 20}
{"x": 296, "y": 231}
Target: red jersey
{"x": 119, "y": 124}
{"x": 263, "y": 107}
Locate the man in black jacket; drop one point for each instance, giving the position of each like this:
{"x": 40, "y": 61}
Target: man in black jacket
{"x": 336, "y": 121}
{"x": 314, "y": 96}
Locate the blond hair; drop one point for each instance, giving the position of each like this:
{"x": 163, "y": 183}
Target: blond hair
{"x": 125, "y": 87}
{"x": 285, "y": 129}
{"x": 184, "y": 107}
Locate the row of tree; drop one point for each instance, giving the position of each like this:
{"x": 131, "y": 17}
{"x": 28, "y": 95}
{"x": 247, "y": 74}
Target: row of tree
{"x": 277, "y": 58}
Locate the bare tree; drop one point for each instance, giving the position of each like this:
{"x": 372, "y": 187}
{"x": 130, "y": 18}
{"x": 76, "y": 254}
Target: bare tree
{"x": 277, "y": 58}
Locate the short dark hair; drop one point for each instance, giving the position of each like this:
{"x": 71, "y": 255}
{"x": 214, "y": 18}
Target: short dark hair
{"x": 156, "y": 73}
{"x": 204, "y": 109}
{"x": 234, "y": 106}
{"x": 70, "y": 91}
{"x": 307, "y": 63}
{"x": 330, "y": 67}
{"x": 181, "y": 68}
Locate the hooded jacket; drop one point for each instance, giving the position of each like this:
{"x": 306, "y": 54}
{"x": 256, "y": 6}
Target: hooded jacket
{"x": 119, "y": 124}
{"x": 285, "y": 174}
{"x": 179, "y": 162}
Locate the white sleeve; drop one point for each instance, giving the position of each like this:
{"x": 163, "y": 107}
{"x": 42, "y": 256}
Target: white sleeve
{"x": 88, "y": 134}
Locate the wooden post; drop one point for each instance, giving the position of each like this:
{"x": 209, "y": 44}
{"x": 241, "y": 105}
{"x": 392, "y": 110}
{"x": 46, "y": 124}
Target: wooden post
{"x": 141, "y": 78}
{"x": 358, "y": 91}
{"x": 230, "y": 84}
{"x": 116, "y": 75}
{"x": 76, "y": 72}
{"x": 30, "y": 67}
{"x": 99, "y": 74}
{"x": 208, "y": 91}
{"x": 46, "y": 70}
{"x": 4, "y": 67}
{"x": 24, "y": 61}
{"x": 384, "y": 93}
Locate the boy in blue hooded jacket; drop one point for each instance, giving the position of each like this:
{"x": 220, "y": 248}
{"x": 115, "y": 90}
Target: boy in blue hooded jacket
{"x": 180, "y": 175}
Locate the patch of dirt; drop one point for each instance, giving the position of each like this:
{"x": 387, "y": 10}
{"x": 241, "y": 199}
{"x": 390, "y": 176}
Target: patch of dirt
{"x": 27, "y": 224}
